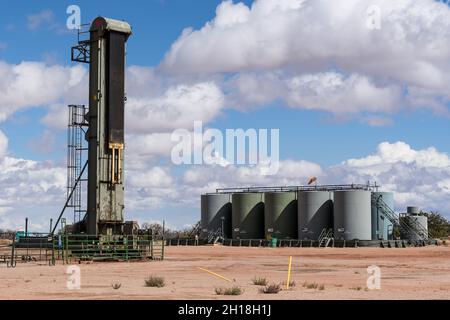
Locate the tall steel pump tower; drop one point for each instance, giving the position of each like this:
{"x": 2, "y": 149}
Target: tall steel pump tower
{"x": 105, "y": 52}
{"x": 105, "y": 204}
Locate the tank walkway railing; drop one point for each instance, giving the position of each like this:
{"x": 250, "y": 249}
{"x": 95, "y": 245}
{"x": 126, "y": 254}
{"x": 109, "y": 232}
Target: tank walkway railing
{"x": 367, "y": 187}
{"x": 406, "y": 228}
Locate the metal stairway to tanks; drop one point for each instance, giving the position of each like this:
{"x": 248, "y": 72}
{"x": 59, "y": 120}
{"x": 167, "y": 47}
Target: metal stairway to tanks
{"x": 215, "y": 236}
{"x": 387, "y": 212}
{"x": 326, "y": 237}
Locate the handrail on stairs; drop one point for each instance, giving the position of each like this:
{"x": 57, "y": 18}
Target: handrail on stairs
{"x": 387, "y": 212}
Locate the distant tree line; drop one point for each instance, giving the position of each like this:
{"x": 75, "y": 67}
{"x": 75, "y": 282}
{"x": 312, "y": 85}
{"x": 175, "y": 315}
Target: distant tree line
{"x": 6, "y": 234}
{"x": 157, "y": 229}
{"x": 438, "y": 225}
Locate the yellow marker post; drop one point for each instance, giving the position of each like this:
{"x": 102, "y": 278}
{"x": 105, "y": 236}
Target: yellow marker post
{"x": 215, "y": 274}
{"x": 289, "y": 273}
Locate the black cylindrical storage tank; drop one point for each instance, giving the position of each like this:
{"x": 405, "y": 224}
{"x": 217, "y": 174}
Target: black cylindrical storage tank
{"x": 247, "y": 215}
{"x": 280, "y": 215}
{"x": 216, "y": 214}
{"x": 382, "y": 228}
{"x": 315, "y": 213}
{"x": 413, "y": 210}
{"x": 352, "y": 215}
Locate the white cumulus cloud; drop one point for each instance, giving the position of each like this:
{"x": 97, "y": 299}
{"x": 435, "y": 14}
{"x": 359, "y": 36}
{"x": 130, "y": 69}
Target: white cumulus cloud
{"x": 324, "y": 55}
{"x": 177, "y": 108}
{"x": 34, "y": 84}
{"x": 418, "y": 177}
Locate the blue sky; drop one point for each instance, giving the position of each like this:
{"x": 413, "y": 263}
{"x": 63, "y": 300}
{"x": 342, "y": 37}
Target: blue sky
{"x": 156, "y": 25}
{"x": 323, "y": 135}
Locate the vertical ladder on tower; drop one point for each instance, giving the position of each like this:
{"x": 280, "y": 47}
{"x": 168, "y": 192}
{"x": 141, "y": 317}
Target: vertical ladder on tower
{"x": 76, "y": 157}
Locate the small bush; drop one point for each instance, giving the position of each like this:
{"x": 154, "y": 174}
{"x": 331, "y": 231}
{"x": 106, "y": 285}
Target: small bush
{"x": 116, "y": 286}
{"x": 260, "y": 281}
{"x": 322, "y": 287}
{"x": 272, "y": 289}
{"x": 154, "y": 281}
{"x": 356, "y": 288}
{"x": 233, "y": 291}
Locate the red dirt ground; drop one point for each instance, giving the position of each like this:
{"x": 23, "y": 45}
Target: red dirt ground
{"x": 406, "y": 273}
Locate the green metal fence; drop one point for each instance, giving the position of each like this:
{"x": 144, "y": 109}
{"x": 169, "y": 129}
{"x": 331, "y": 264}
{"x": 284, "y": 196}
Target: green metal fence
{"x": 70, "y": 248}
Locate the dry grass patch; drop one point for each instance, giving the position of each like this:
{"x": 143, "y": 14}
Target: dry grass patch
{"x": 258, "y": 281}
{"x": 271, "y": 288}
{"x": 233, "y": 291}
{"x": 313, "y": 285}
{"x": 155, "y": 281}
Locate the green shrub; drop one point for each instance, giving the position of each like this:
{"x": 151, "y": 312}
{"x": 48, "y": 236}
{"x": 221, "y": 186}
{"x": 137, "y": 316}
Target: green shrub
{"x": 260, "y": 281}
{"x": 155, "y": 281}
{"x": 233, "y": 291}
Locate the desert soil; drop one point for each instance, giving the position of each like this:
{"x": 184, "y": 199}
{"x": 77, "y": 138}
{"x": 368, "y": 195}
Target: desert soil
{"x": 406, "y": 273}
